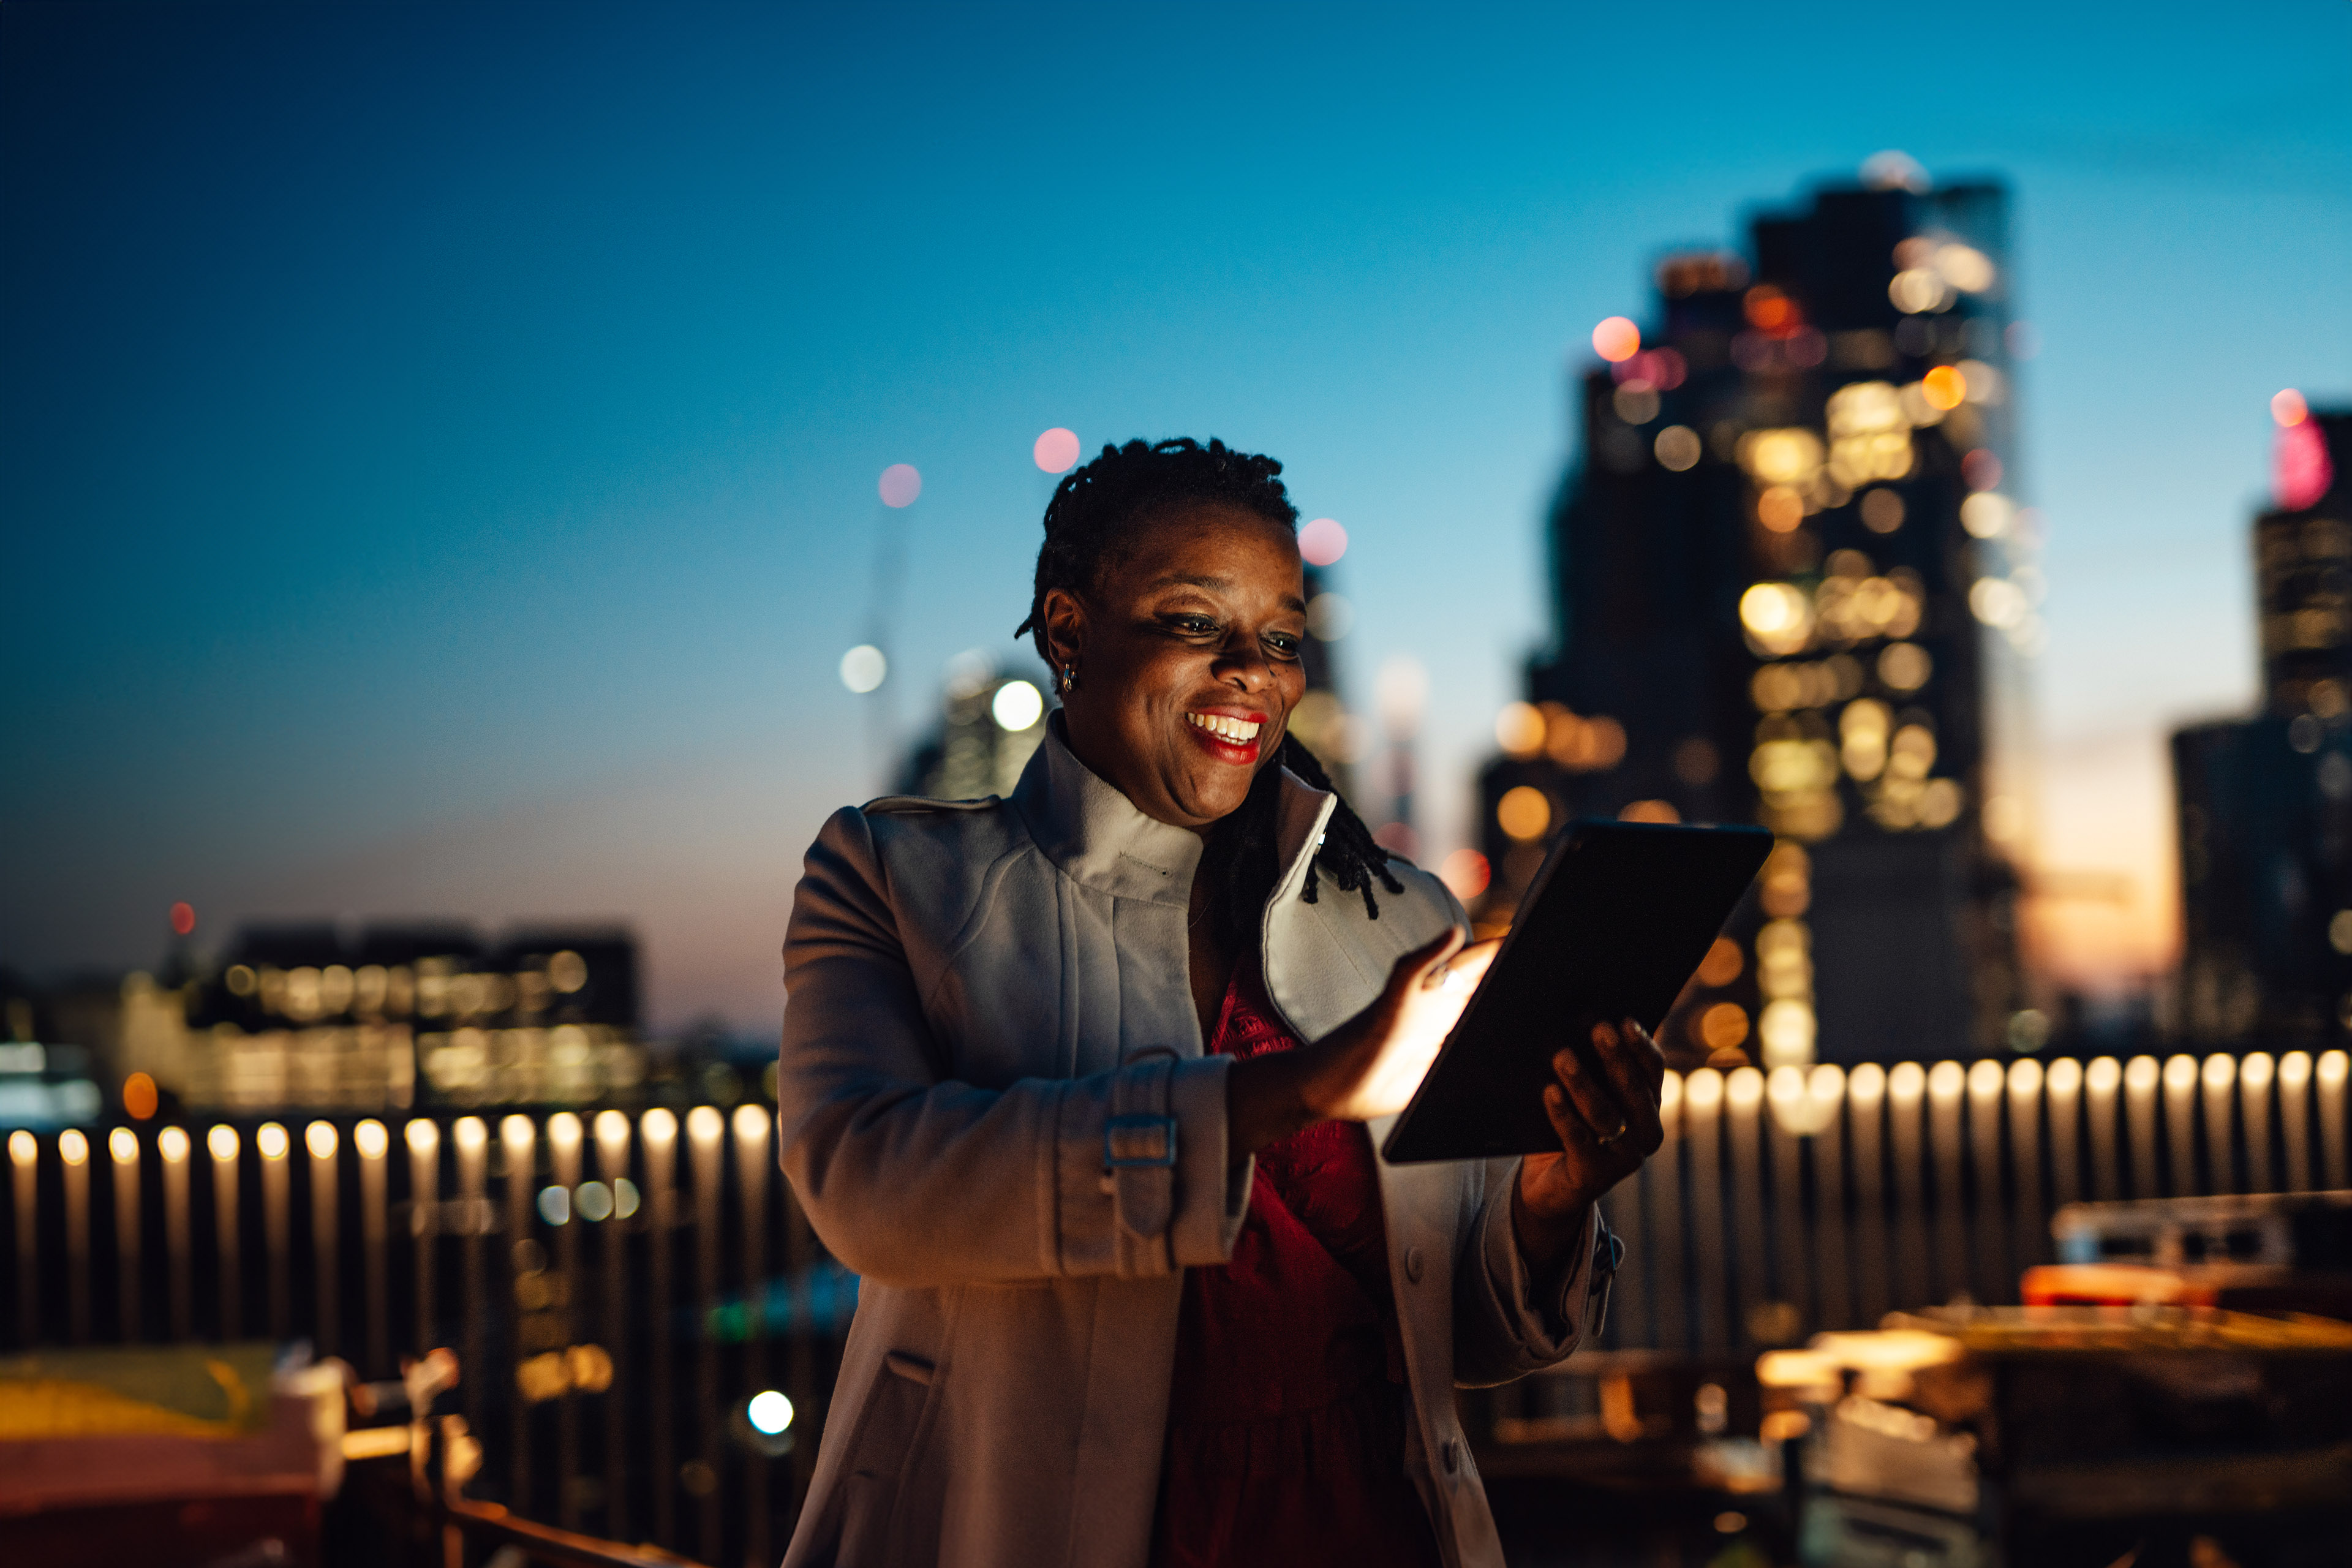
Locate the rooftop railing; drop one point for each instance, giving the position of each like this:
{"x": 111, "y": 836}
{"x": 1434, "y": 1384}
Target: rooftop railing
{"x": 649, "y": 1331}
{"x": 647, "y": 1328}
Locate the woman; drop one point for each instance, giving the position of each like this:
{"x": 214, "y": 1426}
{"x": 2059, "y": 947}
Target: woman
{"x": 1085, "y": 1083}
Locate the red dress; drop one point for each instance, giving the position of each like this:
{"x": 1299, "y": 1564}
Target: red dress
{"x": 1286, "y": 1414}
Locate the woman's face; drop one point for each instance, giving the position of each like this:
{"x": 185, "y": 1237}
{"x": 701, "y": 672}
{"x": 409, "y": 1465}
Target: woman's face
{"x": 1188, "y": 661}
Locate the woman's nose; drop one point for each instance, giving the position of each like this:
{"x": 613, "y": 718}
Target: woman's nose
{"x": 1246, "y": 664}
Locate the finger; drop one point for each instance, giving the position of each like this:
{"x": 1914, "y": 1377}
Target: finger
{"x": 1655, "y": 1060}
{"x": 1645, "y": 1078}
{"x": 1638, "y": 1093}
{"x": 1415, "y": 966}
{"x": 1469, "y": 966}
{"x": 1576, "y": 1140}
{"x": 1620, "y": 1137}
{"x": 1644, "y": 1047}
{"x": 1591, "y": 1095}
{"x": 1622, "y": 1054}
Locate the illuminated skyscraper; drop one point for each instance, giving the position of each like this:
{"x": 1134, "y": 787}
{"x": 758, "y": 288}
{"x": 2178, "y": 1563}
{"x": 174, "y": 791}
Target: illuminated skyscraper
{"x": 1790, "y": 586}
{"x": 2265, "y": 802}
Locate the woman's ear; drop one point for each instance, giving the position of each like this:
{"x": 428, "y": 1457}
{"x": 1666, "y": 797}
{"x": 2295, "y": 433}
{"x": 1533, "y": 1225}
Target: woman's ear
{"x": 1065, "y": 622}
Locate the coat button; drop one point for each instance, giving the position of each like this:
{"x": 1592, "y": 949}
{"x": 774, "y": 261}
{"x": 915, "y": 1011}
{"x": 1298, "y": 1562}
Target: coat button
{"x": 1412, "y": 1264}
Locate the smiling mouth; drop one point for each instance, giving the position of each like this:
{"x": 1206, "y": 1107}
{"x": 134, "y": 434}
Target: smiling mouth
{"x": 1232, "y": 732}
{"x": 1228, "y": 737}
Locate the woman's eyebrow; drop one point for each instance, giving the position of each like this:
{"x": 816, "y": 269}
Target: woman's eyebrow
{"x": 1222, "y": 586}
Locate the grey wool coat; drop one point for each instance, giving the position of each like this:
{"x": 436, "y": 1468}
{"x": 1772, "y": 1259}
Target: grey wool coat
{"x": 994, "y": 1105}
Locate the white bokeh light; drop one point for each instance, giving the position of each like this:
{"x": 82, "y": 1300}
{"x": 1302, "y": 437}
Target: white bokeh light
{"x": 863, "y": 668}
{"x": 1017, "y": 705}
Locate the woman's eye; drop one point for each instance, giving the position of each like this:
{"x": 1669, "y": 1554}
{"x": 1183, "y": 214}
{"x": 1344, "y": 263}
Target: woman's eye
{"x": 1284, "y": 643}
{"x": 1196, "y": 626}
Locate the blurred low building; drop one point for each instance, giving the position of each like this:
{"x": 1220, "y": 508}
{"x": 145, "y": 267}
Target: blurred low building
{"x": 2265, "y": 802}
{"x": 53, "y": 1047}
{"x": 1792, "y": 586}
{"x": 394, "y": 1016}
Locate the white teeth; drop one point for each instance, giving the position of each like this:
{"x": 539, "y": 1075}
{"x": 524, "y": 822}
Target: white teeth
{"x": 1238, "y": 730}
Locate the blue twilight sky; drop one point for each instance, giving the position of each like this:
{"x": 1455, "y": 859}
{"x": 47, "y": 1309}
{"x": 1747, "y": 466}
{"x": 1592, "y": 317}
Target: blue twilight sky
{"x": 438, "y": 443}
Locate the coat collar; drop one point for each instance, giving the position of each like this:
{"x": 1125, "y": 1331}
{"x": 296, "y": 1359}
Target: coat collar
{"x": 1097, "y": 837}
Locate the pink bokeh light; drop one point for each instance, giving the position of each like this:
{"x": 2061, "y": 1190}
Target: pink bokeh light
{"x": 1466, "y": 873}
{"x": 2301, "y": 471}
{"x": 1056, "y": 450}
{"x": 901, "y": 485}
{"x": 1616, "y": 338}
{"x": 1659, "y": 370}
{"x": 1322, "y": 541}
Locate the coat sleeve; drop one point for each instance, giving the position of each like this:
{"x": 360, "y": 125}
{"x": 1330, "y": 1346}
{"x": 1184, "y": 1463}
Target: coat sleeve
{"x": 1508, "y": 1320}
{"x": 913, "y": 1178}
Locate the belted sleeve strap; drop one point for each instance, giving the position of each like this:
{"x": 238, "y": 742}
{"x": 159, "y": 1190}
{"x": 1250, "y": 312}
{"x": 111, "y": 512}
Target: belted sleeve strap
{"x": 914, "y": 1178}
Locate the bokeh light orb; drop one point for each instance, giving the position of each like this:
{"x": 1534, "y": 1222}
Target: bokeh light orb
{"x": 2289, "y": 409}
{"x": 2301, "y": 470}
{"x": 1017, "y": 705}
{"x": 768, "y": 1411}
{"x": 139, "y": 1098}
{"x": 863, "y": 668}
{"x": 1329, "y": 617}
{"x": 1894, "y": 170}
{"x": 1519, "y": 729}
{"x": 1056, "y": 450}
{"x": 1678, "y": 448}
{"x": 1322, "y": 541}
{"x": 901, "y": 485}
{"x": 1616, "y": 338}
{"x": 1980, "y": 468}
{"x": 1465, "y": 873}
{"x": 1523, "y": 813}
{"x": 184, "y": 915}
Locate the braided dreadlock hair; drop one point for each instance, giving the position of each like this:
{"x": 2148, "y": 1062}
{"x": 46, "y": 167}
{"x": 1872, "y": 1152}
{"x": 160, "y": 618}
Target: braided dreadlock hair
{"x": 1097, "y": 516}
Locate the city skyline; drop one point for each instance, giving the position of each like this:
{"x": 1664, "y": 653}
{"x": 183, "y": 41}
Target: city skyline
{"x": 465, "y": 511}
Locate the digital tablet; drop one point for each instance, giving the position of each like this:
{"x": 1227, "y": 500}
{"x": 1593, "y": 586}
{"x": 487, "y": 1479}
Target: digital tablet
{"x": 1615, "y": 923}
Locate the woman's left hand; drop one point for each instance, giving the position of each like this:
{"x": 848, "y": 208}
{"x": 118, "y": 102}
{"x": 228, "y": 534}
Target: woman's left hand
{"x": 1607, "y": 1124}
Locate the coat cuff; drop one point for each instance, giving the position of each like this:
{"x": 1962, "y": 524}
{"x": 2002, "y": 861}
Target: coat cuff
{"x": 1145, "y": 1181}
{"x": 1547, "y": 1311}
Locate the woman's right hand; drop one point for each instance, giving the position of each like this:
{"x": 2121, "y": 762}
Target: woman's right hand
{"x": 1371, "y": 1065}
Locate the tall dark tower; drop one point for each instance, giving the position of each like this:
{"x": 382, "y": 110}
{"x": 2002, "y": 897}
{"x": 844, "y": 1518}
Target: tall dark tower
{"x": 2265, "y": 802}
{"x": 1790, "y": 586}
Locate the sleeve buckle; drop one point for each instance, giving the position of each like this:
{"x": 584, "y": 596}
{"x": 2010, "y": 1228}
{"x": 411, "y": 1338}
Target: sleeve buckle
{"x": 1133, "y": 1141}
